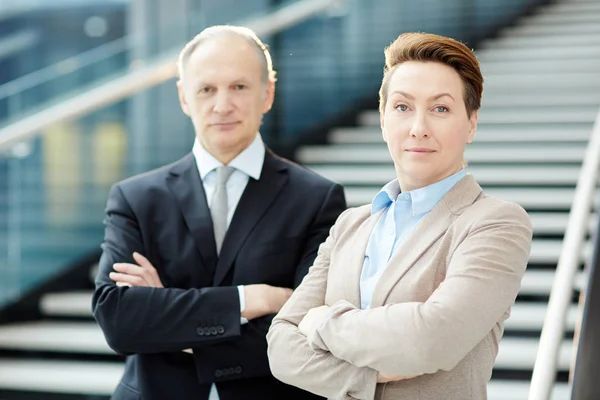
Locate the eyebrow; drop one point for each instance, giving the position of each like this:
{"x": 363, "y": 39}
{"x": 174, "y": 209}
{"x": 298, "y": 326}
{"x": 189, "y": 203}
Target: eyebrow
{"x": 410, "y": 97}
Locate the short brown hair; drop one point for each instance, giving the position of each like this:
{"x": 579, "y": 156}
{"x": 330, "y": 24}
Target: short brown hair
{"x": 434, "y": 48}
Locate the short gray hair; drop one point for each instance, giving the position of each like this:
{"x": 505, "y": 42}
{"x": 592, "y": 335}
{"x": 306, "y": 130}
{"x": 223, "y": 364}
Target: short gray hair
{"x": 262, "y": 50}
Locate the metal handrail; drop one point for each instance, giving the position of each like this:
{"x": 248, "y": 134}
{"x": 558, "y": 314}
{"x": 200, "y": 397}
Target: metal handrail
{"x": 148, "y": 76}
{"x": 544, "y": 370}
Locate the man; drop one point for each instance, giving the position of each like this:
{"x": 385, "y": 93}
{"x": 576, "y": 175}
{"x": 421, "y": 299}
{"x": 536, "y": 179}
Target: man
{"x": 199, "y": 255}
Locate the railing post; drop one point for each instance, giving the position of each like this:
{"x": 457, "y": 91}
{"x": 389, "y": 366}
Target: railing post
{"x": 585, "y": 384}
{"x": 544, "y": 370}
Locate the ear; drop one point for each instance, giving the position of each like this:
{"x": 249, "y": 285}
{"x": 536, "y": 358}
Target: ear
{"x": 473, "y": 126}
{"x": 383, "y": 132}
{"x": 182, "y": 101}
{"x": 268, "y": 97}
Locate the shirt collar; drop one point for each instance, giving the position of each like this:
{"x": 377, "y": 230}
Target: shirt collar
{"x": 422, "y": 200}
{"x": 250, "y": 161}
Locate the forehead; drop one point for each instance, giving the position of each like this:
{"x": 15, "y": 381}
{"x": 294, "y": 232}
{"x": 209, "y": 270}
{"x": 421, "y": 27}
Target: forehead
{"x": 426, "y": 78}
{"x": 221, "y": 58}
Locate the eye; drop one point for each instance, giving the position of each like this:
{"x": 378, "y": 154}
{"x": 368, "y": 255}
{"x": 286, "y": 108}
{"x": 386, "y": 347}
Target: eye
{"x": 402, "y": 107}
{"x": 239, "y": 86}
{"x": 441, "y": 109}
{"x": 205, "y": 89}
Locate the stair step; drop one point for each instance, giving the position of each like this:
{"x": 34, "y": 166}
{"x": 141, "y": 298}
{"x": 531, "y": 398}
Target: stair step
{"x": 547, "y": 251}
{"x": 67, "y": 304}
{"x": 539, "y": 282}
{"x": 542, "y": 81}
{"x": 570, "y": 7}
{"x": 475, "y": 153}
{"x": 518, "y": 390}
{"x": 57, "y": 376}
{"x": 520, "y": 353}
{"x": 505, "y": 134}
{"x": 562, "y": 18}
{"x": 530, "y": 317}
{"x": 541, "y": 53}
{"x": 589, "y": 65}
{"x": 529, "y": 198}
{"x": 568, "y": 100}
{"x": 589, "y": 28}
{"x": 506, "y": 175}
{"x": 54, "y": 336}
{"x": 541, "y": 41}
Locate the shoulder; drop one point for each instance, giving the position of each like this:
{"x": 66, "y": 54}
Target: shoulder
{"x": 488, "y": 210}
{"x": 150, "y": 182}
{"x": 352, "y": 218}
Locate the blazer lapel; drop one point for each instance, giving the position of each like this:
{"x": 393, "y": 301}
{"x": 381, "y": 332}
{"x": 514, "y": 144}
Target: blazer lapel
{"x": 355, "y": 258}
{"x": 255, "y": 201}
{"x": 186, "y": 186}
{"x": 430, "y": 229}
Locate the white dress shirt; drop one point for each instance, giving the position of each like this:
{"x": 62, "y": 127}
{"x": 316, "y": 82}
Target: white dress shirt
{"x": 248, "y": 164}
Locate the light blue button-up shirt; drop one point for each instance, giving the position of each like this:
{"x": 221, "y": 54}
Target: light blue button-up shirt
{"x": 402, "y": 213}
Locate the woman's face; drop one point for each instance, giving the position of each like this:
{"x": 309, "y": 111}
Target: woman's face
{"x": 425, "y": 123}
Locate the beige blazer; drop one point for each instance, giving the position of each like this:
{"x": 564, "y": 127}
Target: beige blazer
{"x": 437, "y": 311}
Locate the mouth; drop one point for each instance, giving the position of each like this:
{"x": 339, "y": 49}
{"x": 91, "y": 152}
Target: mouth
{"x": 225, "y": 125}
{"x": 420, "y": 150}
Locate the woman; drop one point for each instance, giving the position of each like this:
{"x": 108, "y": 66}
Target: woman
{"x": 408, "y": 295}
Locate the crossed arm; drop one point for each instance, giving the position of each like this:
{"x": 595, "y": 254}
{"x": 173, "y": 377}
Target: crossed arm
{"x": 344, "y": 345}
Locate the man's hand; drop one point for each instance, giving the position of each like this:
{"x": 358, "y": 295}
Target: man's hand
{"x": 312, "y": 319}
{"x": 144, "y": 274}
{"x": 385, "y": 378}
{"x": 264, "y": 299}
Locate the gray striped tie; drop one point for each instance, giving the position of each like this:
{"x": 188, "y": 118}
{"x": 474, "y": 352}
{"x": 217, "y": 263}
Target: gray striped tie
{"x": 218, "y": 205}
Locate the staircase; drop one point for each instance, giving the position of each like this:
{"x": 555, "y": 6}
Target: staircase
{"x": 541, "y": 96}
{"x": 542, "y": 85}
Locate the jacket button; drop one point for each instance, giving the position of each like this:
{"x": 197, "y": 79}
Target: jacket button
{"x": 207, "y": 331}
{"x": 238, "y": 370}
{"x": 200, "y": 331}
{"x": 218, "y": 373}
{"x": 220, "y": 329}
{"x": 213, "y": 331}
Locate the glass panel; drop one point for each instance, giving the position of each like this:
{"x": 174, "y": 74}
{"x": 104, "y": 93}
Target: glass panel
{"x": 74, "y": 75}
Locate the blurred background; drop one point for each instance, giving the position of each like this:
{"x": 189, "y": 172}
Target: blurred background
{"x": 88, "y": 97}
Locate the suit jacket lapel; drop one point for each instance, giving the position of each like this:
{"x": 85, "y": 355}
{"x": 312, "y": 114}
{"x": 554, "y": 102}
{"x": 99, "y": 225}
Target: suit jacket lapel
{"x": 430, "y": 229}
{"x": 355, "y": 259}
{"x": 255, "y": 201}
{"x": 186, "y": 186}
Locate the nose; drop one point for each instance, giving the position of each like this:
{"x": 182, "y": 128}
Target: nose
{"x": 223, "y": 103}
{"x": 419, "y": 127}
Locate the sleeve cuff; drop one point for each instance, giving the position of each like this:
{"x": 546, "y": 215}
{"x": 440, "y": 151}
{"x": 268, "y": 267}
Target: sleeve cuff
{"x": 242, "y": 303}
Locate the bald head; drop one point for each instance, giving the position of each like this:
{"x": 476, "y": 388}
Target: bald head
{"x": 224, "y": 31}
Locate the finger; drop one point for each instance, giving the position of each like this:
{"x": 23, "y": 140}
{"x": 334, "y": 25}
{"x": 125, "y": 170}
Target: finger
{"x": 147, "y": 265}
{"x": 123, "y": 284}
{"x": 129, "y": 279}
{"x": 142, "y": 261}
{"x": 129, "y": 269}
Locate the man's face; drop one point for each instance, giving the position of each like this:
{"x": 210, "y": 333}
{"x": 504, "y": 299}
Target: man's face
{"x": 222, "y": 92}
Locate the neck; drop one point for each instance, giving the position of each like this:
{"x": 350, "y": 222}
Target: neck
{"x": 408, "y": 183}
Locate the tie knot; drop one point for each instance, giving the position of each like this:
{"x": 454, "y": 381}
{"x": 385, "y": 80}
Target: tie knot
{"x": 223, "y": 174}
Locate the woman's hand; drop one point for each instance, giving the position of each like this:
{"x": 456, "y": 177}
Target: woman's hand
{"x": 312, "y": 319}
{"x": 385, "y": 378}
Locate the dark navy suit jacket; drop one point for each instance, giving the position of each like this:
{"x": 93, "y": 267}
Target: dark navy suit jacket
{"x": 273, "y": 238}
